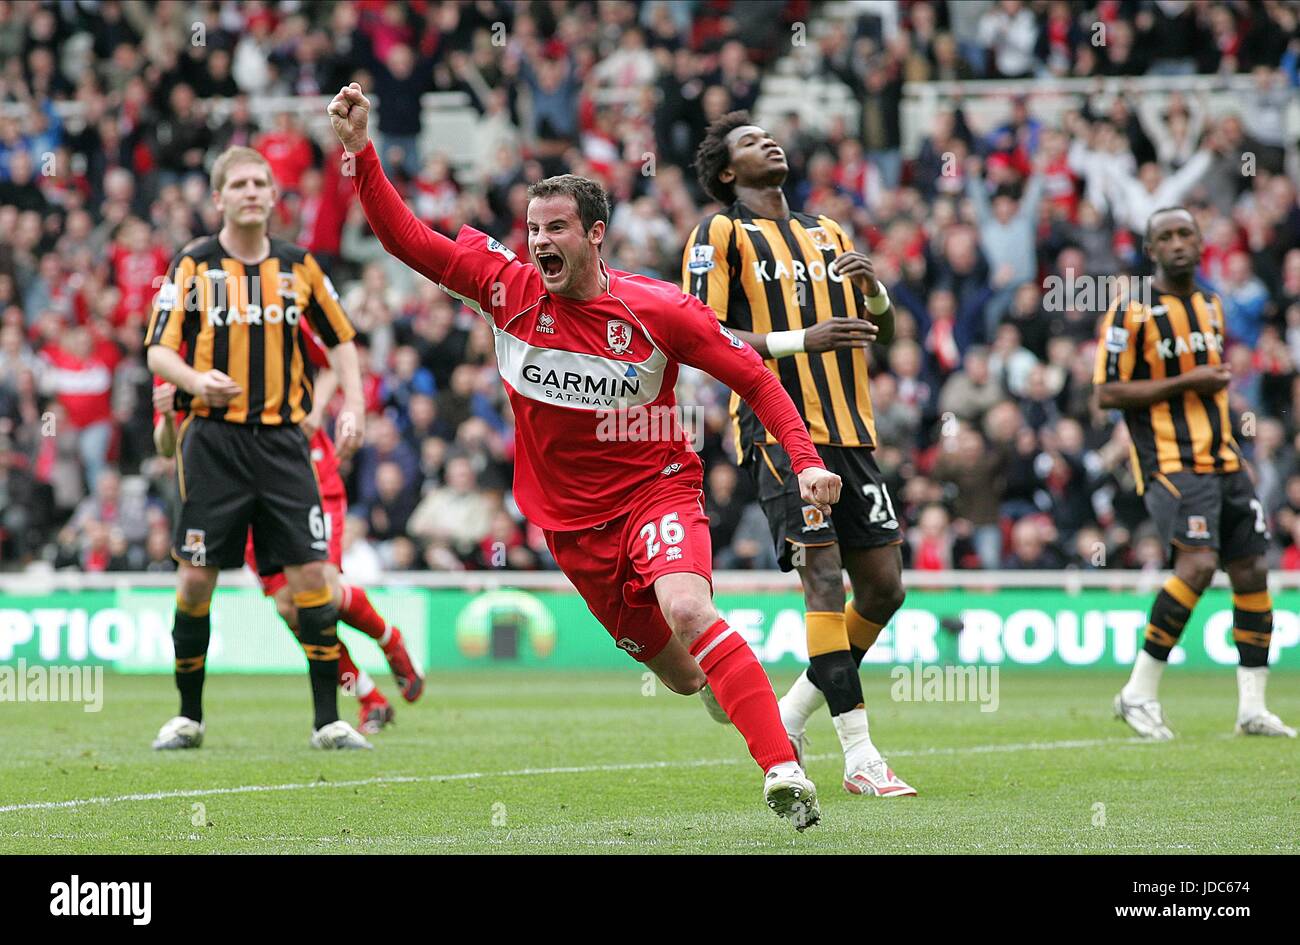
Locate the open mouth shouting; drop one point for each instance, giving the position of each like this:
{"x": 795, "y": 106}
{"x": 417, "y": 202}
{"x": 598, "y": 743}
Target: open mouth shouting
{"x": 551, "y": 264}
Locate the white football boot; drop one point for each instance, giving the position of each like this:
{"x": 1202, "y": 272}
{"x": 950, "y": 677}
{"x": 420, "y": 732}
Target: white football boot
{"x": 1264, "y": 723}
{"x": 177, "y": 733}
{"x": 1146, "y": 718}
{"x": 338, "y": 735}
{"x": 792, "y": 795}
{"x": 1253, "y": 717}
{"x": 877, "y": 779}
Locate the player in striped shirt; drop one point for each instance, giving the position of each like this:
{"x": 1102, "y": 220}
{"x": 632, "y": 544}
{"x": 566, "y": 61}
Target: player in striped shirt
{"x": 354, "y": 605}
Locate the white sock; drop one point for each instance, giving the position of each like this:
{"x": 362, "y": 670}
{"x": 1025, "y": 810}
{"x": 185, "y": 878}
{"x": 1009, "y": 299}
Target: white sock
{"x": 799, "y": 703}
{"x": 1251, "y": 682}
{"x": 1144, "y": 683}
{"x": 785, "y": 767}
{"x": 855, "y": 739}
{"x": 364, "y": 685}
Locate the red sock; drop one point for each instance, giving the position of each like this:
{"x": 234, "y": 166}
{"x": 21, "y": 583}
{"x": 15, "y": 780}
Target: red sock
{"x": 348, "y": 672}
{"x": 374, "y": 698}
{"x": 357, "y": 611}
{"x": 742, "y": 689}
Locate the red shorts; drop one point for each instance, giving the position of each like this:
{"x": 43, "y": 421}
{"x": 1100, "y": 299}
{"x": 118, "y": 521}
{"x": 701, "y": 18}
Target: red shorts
{"x": 334, "y": 507}
{"x": 614, "y": 566}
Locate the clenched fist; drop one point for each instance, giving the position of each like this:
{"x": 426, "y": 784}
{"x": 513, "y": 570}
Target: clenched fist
{"x": 349, "y": 113}
{"x": 819, "y": 487}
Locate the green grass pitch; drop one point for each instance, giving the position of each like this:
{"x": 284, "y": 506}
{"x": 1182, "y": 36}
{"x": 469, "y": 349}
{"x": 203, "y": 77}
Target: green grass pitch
{"x": 502, "y": 761}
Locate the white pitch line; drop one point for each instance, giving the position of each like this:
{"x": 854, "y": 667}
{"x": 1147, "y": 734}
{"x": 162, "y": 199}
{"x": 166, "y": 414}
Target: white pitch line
{"x": 530, "y": 772}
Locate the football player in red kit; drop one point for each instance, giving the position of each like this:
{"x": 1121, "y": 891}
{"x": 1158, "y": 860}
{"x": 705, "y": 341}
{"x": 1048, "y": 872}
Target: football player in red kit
{"x": 589, "y": 356}
{"x": 355, "y": 608}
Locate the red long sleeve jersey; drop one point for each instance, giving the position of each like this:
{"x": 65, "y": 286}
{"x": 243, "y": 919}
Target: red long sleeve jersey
{"x": 571, "y": 367}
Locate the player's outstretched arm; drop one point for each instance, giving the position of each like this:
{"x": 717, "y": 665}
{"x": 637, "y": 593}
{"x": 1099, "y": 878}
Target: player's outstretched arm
{"x": 776, "y": 411}
{"x": 396, "y": 227}
{"x": 696, "y": 338}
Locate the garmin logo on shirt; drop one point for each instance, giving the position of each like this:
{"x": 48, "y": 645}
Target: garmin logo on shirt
{"x": 575, "y": 387}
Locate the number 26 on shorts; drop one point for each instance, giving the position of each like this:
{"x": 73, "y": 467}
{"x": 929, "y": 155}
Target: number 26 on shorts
{"x": 669, "y": 530}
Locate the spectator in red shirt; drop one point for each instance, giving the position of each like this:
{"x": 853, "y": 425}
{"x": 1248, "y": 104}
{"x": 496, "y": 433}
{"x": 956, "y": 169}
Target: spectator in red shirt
{"x": 436, "y": 192}
{"x": 1291, "y": 556}
{"x": 135, "y": 264}
{"x": 287, "y": 150}
{"x": 80, "y": 376}
{"x": 326, "y": 196}
{"x": 932, "y": 540}
{"x": 1060, "y": 186}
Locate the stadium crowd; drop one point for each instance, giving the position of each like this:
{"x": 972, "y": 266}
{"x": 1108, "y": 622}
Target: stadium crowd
{"x": 995, "y": 453}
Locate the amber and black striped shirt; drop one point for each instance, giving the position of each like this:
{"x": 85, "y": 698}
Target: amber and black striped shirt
{"x": 243, "y": 320}
{"x": 763, "y": 275}
{"x": 1190, "y": 432}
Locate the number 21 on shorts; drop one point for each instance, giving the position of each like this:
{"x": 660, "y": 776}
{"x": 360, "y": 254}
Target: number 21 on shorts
{"x": 668, "y": 532}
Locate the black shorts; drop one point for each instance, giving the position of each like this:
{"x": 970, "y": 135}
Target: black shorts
{"x": 235, "y": 475}
{"x": 863, "y": 518}
{"x": 1208, "y": 510}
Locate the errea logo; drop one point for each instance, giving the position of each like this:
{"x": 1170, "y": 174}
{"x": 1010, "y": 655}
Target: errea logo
{"x": 75, "y": 898}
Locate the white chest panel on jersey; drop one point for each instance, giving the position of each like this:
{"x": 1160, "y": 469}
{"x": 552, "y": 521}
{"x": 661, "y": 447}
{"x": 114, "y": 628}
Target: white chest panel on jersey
{"x": 576, "y": 379}
{"x": 573, "y": 379}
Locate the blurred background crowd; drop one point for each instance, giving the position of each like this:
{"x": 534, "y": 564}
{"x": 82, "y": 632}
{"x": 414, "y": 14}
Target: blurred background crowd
{"x": 112, "y": 112}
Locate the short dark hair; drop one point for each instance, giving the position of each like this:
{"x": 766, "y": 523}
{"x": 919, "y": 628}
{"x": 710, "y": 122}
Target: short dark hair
{"x": 592, "y": 201}
{"x": 713, "y": 156}
{"x": 1146, "y": 236}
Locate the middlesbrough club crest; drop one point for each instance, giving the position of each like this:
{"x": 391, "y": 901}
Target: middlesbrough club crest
{"x": 619, "y": 335}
